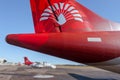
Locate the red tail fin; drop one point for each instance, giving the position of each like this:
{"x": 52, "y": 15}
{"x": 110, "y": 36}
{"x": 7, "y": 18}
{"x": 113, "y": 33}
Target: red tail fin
{"x": 27, "y": 61}
{"x": 70, "y": 17}
{"x": 66, "y": 16}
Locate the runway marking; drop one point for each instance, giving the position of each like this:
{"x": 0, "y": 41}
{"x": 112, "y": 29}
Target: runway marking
{"x": 43, "y": 76}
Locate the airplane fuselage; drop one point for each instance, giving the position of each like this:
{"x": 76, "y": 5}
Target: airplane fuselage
{"x": 74, "y": 33}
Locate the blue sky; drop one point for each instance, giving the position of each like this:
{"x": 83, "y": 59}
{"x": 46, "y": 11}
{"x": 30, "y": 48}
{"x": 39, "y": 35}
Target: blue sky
{"x": 15, "y": 17}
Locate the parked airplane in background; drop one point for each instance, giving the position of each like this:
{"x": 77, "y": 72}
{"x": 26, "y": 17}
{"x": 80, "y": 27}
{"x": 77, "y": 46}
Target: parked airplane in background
{"x": 67, "y": 29}
{"x": 37, "y": 64}
{"x": 4, "y": 62}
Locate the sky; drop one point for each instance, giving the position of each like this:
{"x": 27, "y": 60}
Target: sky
{"x": 15, "y": 17}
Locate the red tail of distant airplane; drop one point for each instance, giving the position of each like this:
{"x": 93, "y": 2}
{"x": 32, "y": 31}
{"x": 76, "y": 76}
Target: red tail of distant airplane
{"x": 67, "y": 29}
{"x": 27, "y": 61}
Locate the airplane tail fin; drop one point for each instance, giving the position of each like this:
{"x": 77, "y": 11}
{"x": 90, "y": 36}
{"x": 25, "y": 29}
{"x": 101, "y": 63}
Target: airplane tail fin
{"x": 58, "y": 16}
{"x": 67, "y": 16}
{"x": 27, "y": 61}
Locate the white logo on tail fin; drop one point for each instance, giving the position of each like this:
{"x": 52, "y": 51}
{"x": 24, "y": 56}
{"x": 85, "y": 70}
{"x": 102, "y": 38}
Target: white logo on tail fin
{"x": 64, "y": 12}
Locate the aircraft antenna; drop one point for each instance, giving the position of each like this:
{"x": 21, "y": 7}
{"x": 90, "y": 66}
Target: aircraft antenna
{"x": 54, "y": 14}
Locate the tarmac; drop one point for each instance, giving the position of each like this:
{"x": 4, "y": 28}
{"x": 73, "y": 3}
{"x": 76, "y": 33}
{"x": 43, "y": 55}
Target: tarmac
{"x": 60, "y": 73}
